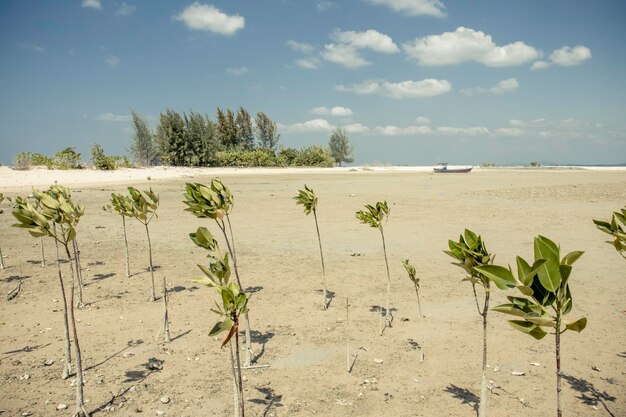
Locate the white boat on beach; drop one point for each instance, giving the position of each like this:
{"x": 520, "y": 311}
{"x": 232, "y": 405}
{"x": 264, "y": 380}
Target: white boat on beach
{"x": 443, "y": 168}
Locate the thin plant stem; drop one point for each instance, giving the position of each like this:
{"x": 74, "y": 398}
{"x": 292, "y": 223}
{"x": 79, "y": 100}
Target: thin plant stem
{"x": 319, "y": 240}
{"x": 67, "y": 367}
{"x": 233, "y": 254}
{"x": 80, "y": 398}
{"x": 1, "y": 259}
{"x": 387, "y": 312}
{"x": 240, "y": 380}
{"x": 79, "y": 275}
{"x": 482, "y": 407}
{"x": 347, "y": 335}
{"x": 126, "y": 246}
{"x": 153, "y": 296}
{"x": 381, "y": 326}
{"x": 43, "y": 255}
{"x": 559, "y": 411}
{"x": 166, "y": 320}
{"x": 236, "y": 398}
{"x": 419, "y": 306}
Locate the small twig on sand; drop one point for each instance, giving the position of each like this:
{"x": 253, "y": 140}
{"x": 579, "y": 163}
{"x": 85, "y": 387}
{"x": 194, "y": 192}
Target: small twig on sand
{"x": 15, "y": 291}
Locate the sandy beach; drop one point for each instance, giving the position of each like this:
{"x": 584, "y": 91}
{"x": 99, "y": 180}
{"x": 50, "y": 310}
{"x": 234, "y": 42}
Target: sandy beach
{"x": 304, "y": 346}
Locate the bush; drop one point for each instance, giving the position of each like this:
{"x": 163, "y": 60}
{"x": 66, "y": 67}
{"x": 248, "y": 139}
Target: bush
{"x": 100, "y": 160}
{"x": 246, "y": 158}
{"x": 68, "y": 158}
{"x": 26, "y": 160}
{"x": 287, "y": 157}
{"x": 315, "y": 156}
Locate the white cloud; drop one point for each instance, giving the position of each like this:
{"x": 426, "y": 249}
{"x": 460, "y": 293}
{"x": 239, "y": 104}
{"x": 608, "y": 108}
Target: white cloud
{"x": 404, "y": 89}
{"x": 540, "y": 65}
{"x": 464, "y": 45}
{"x": 315, "y": 125}
{"x": 343, "y": 54}
{"x": 237, "y": 71}
{"x": 370, "y": 39}
{"x": 463, "y": 131}
{"x": 414, "y": 7}
{"x": 110, "y": 117}
{"x": 356, "y": 128}
{"x": 112, "y": 60}
{"x": 308, "y": 63}
{"x": 209, "y": 18}
{"x": 92, "y": 4}
{"x": 510, "y": 131}
{"x": 125, "y": 9}
{"x": 335, "y": 111}
{"x": 421, "y": 120}
{"x": 303, "y": 47}
{"x": 32, "y": 47}
{"x": 391, "y": 130}
{"x": 505, "y": 86}
{"x": 324, "y": 6}
{"x": 568, "y": 57}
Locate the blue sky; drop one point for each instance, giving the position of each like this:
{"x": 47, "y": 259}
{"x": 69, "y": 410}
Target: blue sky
{"x": 412, "y": 81}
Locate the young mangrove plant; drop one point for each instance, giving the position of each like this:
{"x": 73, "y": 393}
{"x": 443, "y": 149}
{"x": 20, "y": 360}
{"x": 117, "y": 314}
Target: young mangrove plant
{"x": 615, "y": 228}
{"x": 410, "y": 270}
{"x": 144, "y": 209}
{"x": 234, "y": 304}
{"x": 216, "y": 202}
{"x": 308, "y": 199}
{"x": 545, "y": 297}
{"x": 56, "y": 216}
{"x": 2, "y": 198}
{"x": 375, "y": 216}
{"x": 471, "y": 253}
{"x": 123, "y": 206}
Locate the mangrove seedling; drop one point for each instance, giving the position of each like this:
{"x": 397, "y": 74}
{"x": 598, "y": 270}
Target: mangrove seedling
{"x": 56, "y": 216}
{"x": 545, "y": 297}
{"x": 234, "y": 304}
{"x": 166, "y": 315}
{"x": 216, "y": 202}
{"x": 308, "y": 199}
{"x": 410, "y": 270}
{"x": 375, "y": 216}
{"x": 123, "y": 205}
{"x": 471, "y": 252}
{"x": 144, "y": 209}
{"x": 615, "y": 228}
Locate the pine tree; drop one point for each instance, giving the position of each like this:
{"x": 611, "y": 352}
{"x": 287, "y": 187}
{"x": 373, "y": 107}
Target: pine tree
{"x": 266, "y": 132}
{"x": 340, "y": 146}
{"x": 143, "y": 148}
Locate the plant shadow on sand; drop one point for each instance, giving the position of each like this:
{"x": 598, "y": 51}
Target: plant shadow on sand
{"x": 13, "y": 278}
{"x": 153, "y": 365}
{"x": 377, "y": 308}
{"x": 261, "y": 338}
{"x": 465, "y": 395}
{"x": 589, "y": 394}
{"x": 99, "y": 277}
{"x": 270, "y": 399}
{"x": 129, "y": 344}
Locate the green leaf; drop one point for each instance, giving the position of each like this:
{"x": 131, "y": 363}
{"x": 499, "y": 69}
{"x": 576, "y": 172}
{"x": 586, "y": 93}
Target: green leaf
{"x": 530, "y": 328}
{"x": 470, "y": 238}
{"x": 540, "y": 320}
{"x": 523, "y": 271}
{"x": 578, "y": 325}
{"x": 571, "y": 257}
{"x": 502, "y": 277}
{"x": 525, "y": 290}
{"x": 511, "y": 309}
{"x": 549, "y": 274}
{"x": 221, "y": 326}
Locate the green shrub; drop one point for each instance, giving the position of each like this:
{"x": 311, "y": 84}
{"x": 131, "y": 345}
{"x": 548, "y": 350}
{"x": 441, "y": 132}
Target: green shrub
{"x": 67, "y": 158}
{"x": 287, "y": 157}
{"x": 316, "y": 156}
{"x": 26, "y": 160}
{"x": 100, "y": 160}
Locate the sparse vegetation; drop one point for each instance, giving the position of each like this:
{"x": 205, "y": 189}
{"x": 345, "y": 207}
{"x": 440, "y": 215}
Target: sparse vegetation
{"x": 410, "y": 270}
{"x": 545, "y": 296}
{"x": 376, "y": 216}
{"x": 123, "y": 205}
{"x": 340, "y": 147}
{"x": 471, "y": 253}
{"x": 615, "y": 228}
{"x": 2, "y": 198}
{"x": 308, "y": 200}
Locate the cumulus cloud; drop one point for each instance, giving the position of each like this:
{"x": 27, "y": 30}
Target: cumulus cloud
{"x": 125, "y": 9}
{"x": 414, "y": 7}
{"x": 463, "y": 131}
{"x": 110, "y": 117}
{"x": 565, "y": 57}
{"x": 334, "y": 111}
{"x": 568, "y": 57}
{"x": 392, "y": 130}
{"x": 237, "y": 71}
{"x": 505, "y": 86}
{"x": 370, "y": 39}
{"x": 404, "y": 89}
{"x": 32, "y": 47}
{"x": 112, "y": 60}
{"x": 308, "y": 63}
{"x": 209, "y": 18}
{"x": 315, "y": 125}
{"x": 345, "y": 55}
{"x": 302, "y": 47}
{"x": 92, "y": 4}
{"x": 421, "y": 120}
{"x": 465, "y": 45}
{"x": 356, "y": 128}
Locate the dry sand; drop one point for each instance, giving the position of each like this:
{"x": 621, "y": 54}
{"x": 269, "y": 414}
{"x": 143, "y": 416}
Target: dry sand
{"x": 305, "y": 346}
